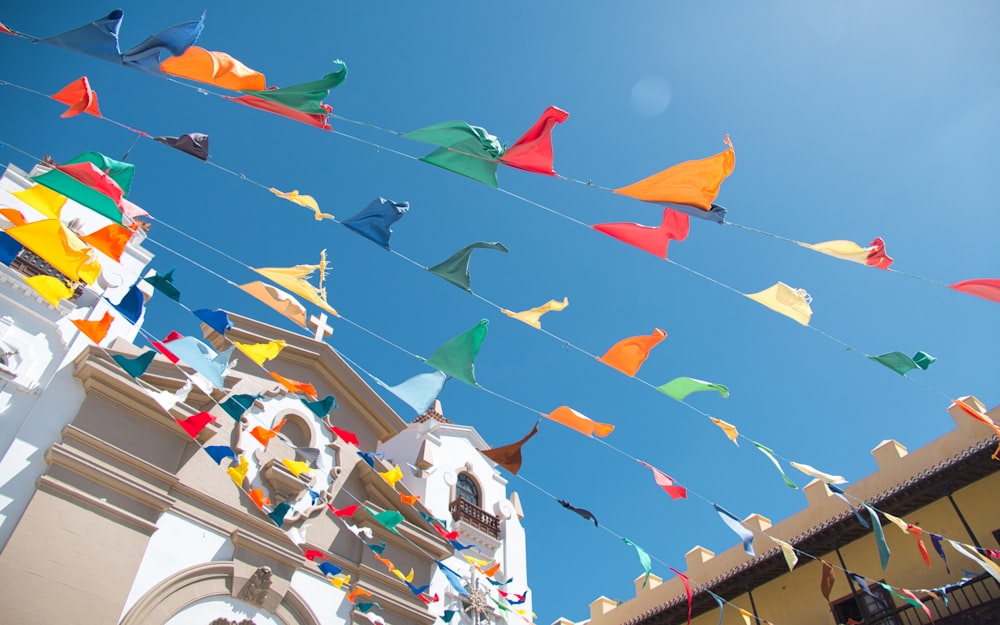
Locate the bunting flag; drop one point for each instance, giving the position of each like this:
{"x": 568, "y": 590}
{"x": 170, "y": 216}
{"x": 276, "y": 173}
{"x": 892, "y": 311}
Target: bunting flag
{"x": 466, "y": 150}
{"x": 785, "y": 300}
{"x": 496, "y": 583}
{"x": 202, "y": 358}
{"x": 363, "y": 607}
{"x": 533, "y": 151}
{"x": 883, "y": 547}
{"x": 936, "y": 541}
{"x": 863, "y": 583}
{"x": 79, "y": 97}
{"x": 490, "y": 572}
{"x": 193, "y": 143}
{"x": 628, "y": 354}
{"x": 453, "y": 578}
{"x": 509, "y": 456}
{"x": 418, "y": 392}
{"x": 378, "y": 548}
{"x": 167, "y": 399}
{"x": 985, "y": 563}
{"x": 874, "y": 255}
{"x": 95, "y": 330}
{"x": 375, "y": 221}
{"x": 121, "y": 172}
{"x": 644, "y": 560}
{"x": 454, "y": 536}
{"x": 692, "y": 183}
{"x": 901, "y": 363}
{"x": 514, "y": 598}
{"x": 344, "y": 513}
{"x": 216, "y": 319}
{"x": 680, "y": 388}
{"x": 909, "y": 598}
{"x": 730, "y": 430}
{"x": 219, "y": 453}
{"x": 340, "y": 581}
{"x": 321, "y": 407}
{"x": 917, "y": 534}
{"x": 826, "y": 579}
{"x": 279, "y": 513}
{"x": 329, "y": 569}
{"x": 278, "y": 300}
{"x": 110, "y": 240}
{"x": 532, "y": 316}
{"x": 748, "y": 618}
{"x": 194, "y": 424}
{"x": 456, "y": 268}
{"x": 55, "y": 244}
{"x": 131, "y": 304}
{"x": 391, "y": 476}
{"x": 296, "y": 467}
{"x": 9, "y": 248}
{"x": 666, "y": 482}
{"x": 306, "y": 97}
{"x": 722, "y": 606}
{"x": 653, "y": 239}
{"x": 733, "y": 522}
{"x": 302, "y": 200}
{"x": 405, "y": 578}
{"x": 576, "y": 421}
{"x": 14, "y": 216}
{"x": 160, "y": 347}
{"x": 416, "y": 590}
{"x": 788, "y": 551}
{"x": 172, "y": 41}
{"x": 369, "y": 457}
{"x": 984, "y": 288}
{"x": 456, "y": 358}
{"x": 975, "y": 409}
{"x": 388, "y": 519}
{"x": 841, "y": 495}
{"x": 819, "y": 475}
{"x": 136, "y": 366}
{"x": 318, "y": 120}
{"x": 409, "y": 499}
{"x": 448, "y": 615}
{"x": 687, "y": 590}
{"x": 258, "y": 497}
{"x": 213, "y": 68}
{"x": 96, "y": 179}
{"x": 77, "y": 188}
{"x": 238, "y": 473}
{"x": 294, "y": 386}
{"x": 43, "y": 199}
{"x": 165, "y": 284}
{"x": 262, "y": 352}
{"x": 898, "y": 522}
{"x": 586, "y": 514}
{"x": 236, "y": 405}
{"x": 385, "y": 561}
{"x": 770, "y": 456}
{"x": 348, "y": 437}
{"x": 52, "y": 290}
{"x": 264, "y": 435}
{"x": 296, "y": 280}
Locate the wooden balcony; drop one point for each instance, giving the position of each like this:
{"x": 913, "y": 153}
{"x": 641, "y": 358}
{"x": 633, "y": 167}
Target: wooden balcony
{"x": 462, "y": 510}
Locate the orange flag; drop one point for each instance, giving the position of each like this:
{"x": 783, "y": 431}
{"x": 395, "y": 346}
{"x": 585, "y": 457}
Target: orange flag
{"x": 295, "y": 386}
{"x": 574, "y": 420}
{"x": 975, "y": 409}
{"x": 213, "y": 68}
{"x": 409, "y": 499}
{"x": 265, "y": 435}
{"x": 111, "y": 240}
{"x": 79, "y": 97}
{"x": 14, "y": 216}
{"x": 259, "y": 498}
{"x": 357, "y": 592}
{"x": 692, "y": 183}
{"x": 628, "y": 354}
{"x": 95, "y": 330}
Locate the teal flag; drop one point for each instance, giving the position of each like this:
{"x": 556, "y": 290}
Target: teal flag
{"x": 165, "y": 284}
{"x": 464, "y": 149}
{"x": 322, "y": 407}
{"x": 456, "y": 357}
{"x": 883, "y": 547}
{"x": 236, "y": 405}
{"x": 901, "y": 363}
{"x": 306, "y": 97}
{"x": 79, "y": 192}
{"x": 644, "y": 560}
{"x": 681, "y": 387}
{"x": 389, "y": 519}
{"x": 135, "y": 367}
{"x": 456, "y": 268}
{"x": 119, "y": 171}
{"x": 278, "y": 514}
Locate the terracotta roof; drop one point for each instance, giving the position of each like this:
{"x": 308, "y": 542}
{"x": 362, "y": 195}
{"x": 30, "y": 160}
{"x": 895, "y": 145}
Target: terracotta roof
{"x": 435, "y": 412}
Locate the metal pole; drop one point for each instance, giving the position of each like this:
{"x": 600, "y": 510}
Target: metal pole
{"x": 961, "y": 517}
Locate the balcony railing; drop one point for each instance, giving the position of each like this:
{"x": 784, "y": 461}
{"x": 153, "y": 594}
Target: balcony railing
{"x": 976, "y": 601}
{"x": 462, "y": 510}
{"x": 29, "y": 264}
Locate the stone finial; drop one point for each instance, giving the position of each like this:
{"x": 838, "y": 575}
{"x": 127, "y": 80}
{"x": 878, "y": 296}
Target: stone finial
{"x": 651, "y": 583}
{"x": 816, "y": 493}
{"x": 887, "y": 453}
{"x": 697, "y": 557}
{"x": 601, "y": 606}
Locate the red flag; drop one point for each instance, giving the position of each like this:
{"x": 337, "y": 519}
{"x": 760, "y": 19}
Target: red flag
{"x": 312, "y": 554}
{"x": 343, "y": 512}
{"x": 675, "y": 226}
{"x": 666, "y": 482}
{"x": 194, "y": 424}
{"x": 877, "y": 257}
{"x": 87, "y": 173}
{"x": 920, "y": 543}
{"x": 446, "y": 535}
{"x": 986, "y": 288}
{"x": 6, "y": 31}
{"x": 79, "y": 97}
{"x": 174, "y": 335}
{"x": 533, "y": 151}
{"x": 348, "y": 437}
{"x": 687, "y": 589}
{"x": 319, "y": 121}
{"x": 95, "y": 330}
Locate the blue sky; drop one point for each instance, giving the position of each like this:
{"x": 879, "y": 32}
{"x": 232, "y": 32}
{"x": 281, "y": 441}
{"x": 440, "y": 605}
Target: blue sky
{"x": 851, "y": 120}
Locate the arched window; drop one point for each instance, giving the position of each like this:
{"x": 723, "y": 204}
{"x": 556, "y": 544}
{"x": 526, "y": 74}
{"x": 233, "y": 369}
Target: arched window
{"x": 466, "y": 489}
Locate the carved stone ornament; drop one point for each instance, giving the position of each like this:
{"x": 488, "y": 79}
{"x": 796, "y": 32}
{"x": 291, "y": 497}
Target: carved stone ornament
{"x": 257, "y": 587}
{"x": 226, "y": 621}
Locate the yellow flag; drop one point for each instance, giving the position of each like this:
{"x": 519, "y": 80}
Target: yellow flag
{"x": 42, "y": 199}
{"x": 340, "y": 580}
{"x": 55, "y": 244}
{"x": 531, "y": 317}
{"x": 296, "y": 467}
{"x": 52, "y": 289}
{"x": 783, "y": 299}
{"x": 262, "y": 352}
{"x": 898, "y": 522}
{"x": 392, "y": 476}
{"x": 844, "y": 250}
{"x": 747, "y": 617}
{"x": 303, "y": 200}
{"x": 239, "y": 472}
{"x": 730, "y": 429}
{"x": 819, "y": 475}
{"x": 791, "y": 558}
{"x": 296, "y": 280}
{"x": 278, "y": 300}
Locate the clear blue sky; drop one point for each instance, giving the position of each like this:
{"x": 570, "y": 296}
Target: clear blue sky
{"x": 850, "y": 119}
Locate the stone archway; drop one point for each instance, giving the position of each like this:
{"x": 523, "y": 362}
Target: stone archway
{"x": 202, "y": 583}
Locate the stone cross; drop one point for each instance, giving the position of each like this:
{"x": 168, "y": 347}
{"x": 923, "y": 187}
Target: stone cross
{"x": 322, "y": 329}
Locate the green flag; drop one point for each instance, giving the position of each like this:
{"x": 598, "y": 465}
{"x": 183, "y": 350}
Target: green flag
{"x": 647, "y": 564}
{"x": 456, "y": 268}
{"x": 119, "y": 171}
{"x": 307, "y": 97}
{"x": 770, "y": 456}
{"x": 901, "y": 363}
{"x": 389, "y": 519}
{"x": 79, "y": 192}
{"x": 681, "y": 387}
{"x": 464, "y": 149}
{"x": 456, "y": 357}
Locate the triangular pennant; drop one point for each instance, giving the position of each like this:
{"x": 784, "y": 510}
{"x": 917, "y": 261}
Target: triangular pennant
{"x": 730, "y": 430}
{"x": 173, "y": 40}
{"x": 467, "y": 150}
{"x": 680, "y": 388}
{"x": 220, "y": 452}
{"x": 216, "y": 319}
{"x": 984, "y": 288}
{"x": 136, "y": 366}
{"x": 774, "y": 460}
{"x": 214, "y": 68}
{"x": 277, "y": 299}
{"x": 901, "y": 363}
{"x": 644, "y": 559}
{"x": 532, "y": 316}
{"x": 79, "y": 97}
{"x": 628, "y": 354}
{"x": 296, "y": 280}
{"x": 693, "y": 183}
{"x": 131, "y": 304}
{"x": 306, "y": 97}
{"x": 375, "y": 221}
{"x": 457, "y": 357}
{"x": 653, "y": 239}
{"x": 418, "y": 392}
{"x": 509, "y": 456}
{"x": 193, "y": 143}
{"x": 262, "y": 352}
{"x": 52, "y": 290}
{"x": 576, "y": 421}
{"x": 321, "y": 407}
{"x": 788, "y": 301}
{"x": 278, "y": 514}
{"x": 586, "y": 514}
{"x": 294, "y": 386}
{"x": 453, "y": 578}
{"x": 302, "y": 200}
{"x": 533, "y": 151}
{"x": 110, "y": 240}
{"x": 687, "y": 590}
{"x": 733, "y": 522}
{"x": 95, "y": 330}
{"x": 666, "y": 482}
{"x": 165, "y": 284}
{"x": 456, "y": 268}
{"x": 236, "y": 405}
{"x": 388, "y": 519}
{"x": 194, "y": 424}
{"x": 348, "y": 437}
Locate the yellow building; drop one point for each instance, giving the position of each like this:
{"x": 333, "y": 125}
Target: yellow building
{"x": 947, "y": 487}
